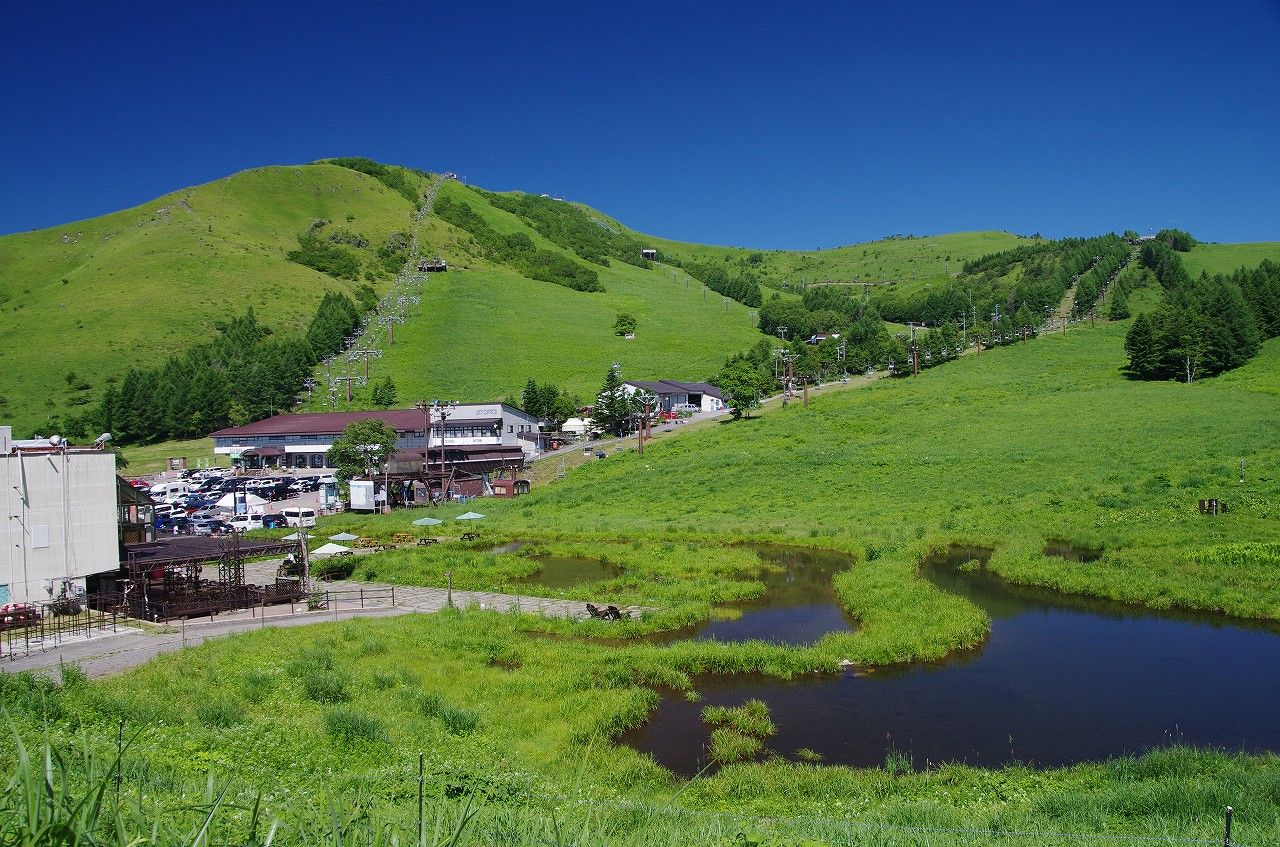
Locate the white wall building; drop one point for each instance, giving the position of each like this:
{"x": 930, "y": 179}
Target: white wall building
{"x": 680, "y": 396}
{"x": 60, "y": 518}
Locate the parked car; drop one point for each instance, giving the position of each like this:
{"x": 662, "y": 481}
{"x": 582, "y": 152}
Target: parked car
{"x": 244, "y": 523}
{"x": 208, "y": 527}
{"x": 327, "y": 479}
{"x": 271, "y": 520}
{"x": 299, "y": 516}
{"x": 686, "y": 407}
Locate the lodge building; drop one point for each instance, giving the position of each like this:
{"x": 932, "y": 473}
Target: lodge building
{"x": 472, "y": 438}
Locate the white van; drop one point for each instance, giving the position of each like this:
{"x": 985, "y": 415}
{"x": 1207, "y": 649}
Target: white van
{"x": 298, "y": 517}
{"x": 244, "y": 523}
{"x": 165, "y": 490}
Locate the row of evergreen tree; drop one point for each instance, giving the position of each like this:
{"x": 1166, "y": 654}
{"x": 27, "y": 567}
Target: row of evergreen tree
{"x": 245, "y": 374}
{"x": 1204, "y": 326}
{"x": 1046, "y": 274}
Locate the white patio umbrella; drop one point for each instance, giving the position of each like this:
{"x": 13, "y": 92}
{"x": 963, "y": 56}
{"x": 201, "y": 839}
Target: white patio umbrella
{"x": 428, "y": 522}
{"x": 328, "y": 550}
{"x": 343, "y": 536}
{"x": 469, "y": 516}
{"x": 294, "y": 536}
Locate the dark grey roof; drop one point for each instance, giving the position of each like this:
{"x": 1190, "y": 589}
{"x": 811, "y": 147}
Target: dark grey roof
{"x": 672, "y": 386}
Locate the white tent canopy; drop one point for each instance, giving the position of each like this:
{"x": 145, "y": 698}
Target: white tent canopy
{"x": 252, "y": 501}
{"x": 294, "y": 536}
{"x": 469, "y": 516}
{"x": 328, "y": 550}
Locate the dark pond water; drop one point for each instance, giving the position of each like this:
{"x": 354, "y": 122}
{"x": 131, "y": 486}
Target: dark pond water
{"x": 560, "y": 572}
{"x": 569, "y": 571}
{"x": 798, "y": 607}
{"x": 1059, "y": 681}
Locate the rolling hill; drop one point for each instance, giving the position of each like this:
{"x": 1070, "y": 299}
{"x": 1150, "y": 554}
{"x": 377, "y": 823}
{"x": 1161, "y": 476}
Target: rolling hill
{"x": 82, "y": 303}
{"x": 90, "y": 299}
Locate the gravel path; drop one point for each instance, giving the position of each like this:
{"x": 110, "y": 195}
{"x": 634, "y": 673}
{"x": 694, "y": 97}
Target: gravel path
{"x": 110, "y": 654}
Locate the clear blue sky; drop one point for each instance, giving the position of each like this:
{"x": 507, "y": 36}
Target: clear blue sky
{"x": 760, "y": 124}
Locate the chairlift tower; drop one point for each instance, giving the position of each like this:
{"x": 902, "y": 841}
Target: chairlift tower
{"x": 367, "y": 355}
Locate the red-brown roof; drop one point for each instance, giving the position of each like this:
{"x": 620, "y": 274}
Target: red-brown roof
{"x": 325, "y": 423}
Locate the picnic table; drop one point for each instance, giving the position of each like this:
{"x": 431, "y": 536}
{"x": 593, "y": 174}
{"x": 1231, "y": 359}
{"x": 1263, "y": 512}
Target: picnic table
{"x": 425, "y": 542}
{"x": 470, "y": 536}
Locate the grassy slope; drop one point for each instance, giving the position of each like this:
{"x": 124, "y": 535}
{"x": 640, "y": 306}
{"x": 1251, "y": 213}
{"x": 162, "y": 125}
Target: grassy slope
{"x": 1006, "y": 448}
{"x": 480, "y": 333}
{"x": 1020, "y": 425}
{"x": 1225, "y": 258}
{"x": 908, "y": 262}
{"x": 151, "y": 280}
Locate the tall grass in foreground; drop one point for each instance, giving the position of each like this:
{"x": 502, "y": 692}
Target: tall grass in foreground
{"x": 68, "y": 800}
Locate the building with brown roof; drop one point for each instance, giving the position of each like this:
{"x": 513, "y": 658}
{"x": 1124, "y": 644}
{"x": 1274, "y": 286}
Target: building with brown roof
{"x": 474, "y": 436}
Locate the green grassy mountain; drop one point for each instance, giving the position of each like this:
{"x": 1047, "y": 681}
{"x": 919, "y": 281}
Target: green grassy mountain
{"x": 82, "y": 303}
{"x": 90, "y": 299}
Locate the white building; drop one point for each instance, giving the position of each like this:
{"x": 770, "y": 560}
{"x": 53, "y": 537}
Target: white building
{"x": 680, "y": 396}
{"x": 495, "y": 430}
{"x": 60, "y": 517}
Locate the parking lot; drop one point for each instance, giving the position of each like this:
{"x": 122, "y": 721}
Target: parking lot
{"x": 213, "y": 502}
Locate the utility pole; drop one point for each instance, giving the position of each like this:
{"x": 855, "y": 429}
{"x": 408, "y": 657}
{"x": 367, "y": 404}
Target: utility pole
{"x": 915, "y": 355}
{"x": 442, "y": 412}
{"x": 641, "y": 431}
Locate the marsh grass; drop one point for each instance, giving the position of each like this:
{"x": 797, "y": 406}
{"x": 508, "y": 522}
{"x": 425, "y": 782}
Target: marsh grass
{"x": 349, "y": 725}
{"x": 728, "y": 745}
{"x": 751, "y": 718}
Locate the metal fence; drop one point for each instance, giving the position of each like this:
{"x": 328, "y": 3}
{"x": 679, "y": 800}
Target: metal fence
{"x": 34, "y": 627}
{"x": 353, "y": 598}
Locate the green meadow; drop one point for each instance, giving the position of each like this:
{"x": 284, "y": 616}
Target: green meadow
{"x": 318, "y": 730}
{"x": 504, "y": 728}
{"x": 1225, "y": 258}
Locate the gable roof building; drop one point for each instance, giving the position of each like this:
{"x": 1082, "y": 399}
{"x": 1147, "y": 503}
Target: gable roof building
{"x": 673, "y": 394}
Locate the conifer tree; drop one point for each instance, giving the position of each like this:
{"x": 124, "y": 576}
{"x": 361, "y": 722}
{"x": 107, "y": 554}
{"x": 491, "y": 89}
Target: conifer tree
{"x": 610, "y": 411}
{"x": 1144, "y": 353}
{"x": 1119, "y": 309}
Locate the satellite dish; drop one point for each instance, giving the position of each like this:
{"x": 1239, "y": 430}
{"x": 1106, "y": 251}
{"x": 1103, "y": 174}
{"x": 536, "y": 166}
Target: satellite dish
{"x": 55, "y": 440}
{"x": 102, "y": 439}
